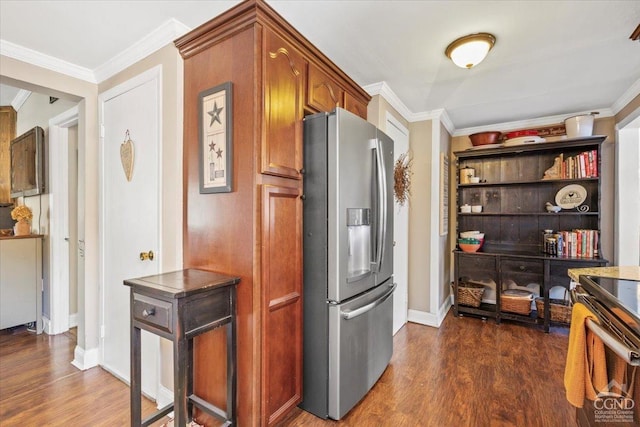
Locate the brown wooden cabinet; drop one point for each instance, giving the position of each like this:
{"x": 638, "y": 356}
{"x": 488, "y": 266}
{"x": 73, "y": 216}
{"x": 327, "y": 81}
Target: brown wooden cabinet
{"x": 513, "y": 194}
{"x": 255, "y": 231}
{"x": 284, "y": 78}
{"x": 8, "y": 117}
{"x": 323, "y": 93}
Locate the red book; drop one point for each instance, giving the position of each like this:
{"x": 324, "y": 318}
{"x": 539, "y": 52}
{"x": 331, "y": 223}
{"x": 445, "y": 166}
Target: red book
{"x": 578, "y": 243}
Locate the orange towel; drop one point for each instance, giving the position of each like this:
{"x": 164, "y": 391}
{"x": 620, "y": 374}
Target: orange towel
{"x": 586, "y": 370}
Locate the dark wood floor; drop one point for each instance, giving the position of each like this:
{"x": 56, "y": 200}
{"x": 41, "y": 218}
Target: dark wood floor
{"x": 40, "y": 387}
{"x": 466, "y": 373}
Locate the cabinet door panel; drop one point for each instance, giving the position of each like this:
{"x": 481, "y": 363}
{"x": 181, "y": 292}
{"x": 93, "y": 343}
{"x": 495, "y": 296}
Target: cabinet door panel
{"x": 323, "y": 94}
{"x": 284, "y": 77}
{"x": 281, "y": 301}
{"x": 355, "y": 106}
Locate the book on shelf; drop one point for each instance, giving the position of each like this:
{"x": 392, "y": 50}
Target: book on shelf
{"x": 576, "y": 243}
{"x": 582, "y": 165}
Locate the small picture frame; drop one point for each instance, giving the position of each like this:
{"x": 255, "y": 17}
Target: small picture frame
{"x": 216, "y": 143}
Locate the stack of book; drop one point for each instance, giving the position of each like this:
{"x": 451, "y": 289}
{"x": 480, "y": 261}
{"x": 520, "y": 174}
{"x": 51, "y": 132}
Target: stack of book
{"x": 583, "y": 165}
{"x": 577, "y": 243}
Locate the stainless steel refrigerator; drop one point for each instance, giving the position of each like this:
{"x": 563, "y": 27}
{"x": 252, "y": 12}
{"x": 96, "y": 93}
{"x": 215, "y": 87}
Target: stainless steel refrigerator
{"x": 348, "y": 260}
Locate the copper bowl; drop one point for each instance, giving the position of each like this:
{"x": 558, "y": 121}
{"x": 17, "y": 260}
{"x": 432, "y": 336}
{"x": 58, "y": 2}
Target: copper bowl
{"x": 485, "y": 138}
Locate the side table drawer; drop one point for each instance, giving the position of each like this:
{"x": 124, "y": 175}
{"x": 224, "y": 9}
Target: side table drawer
{"x": 153, "y": 312}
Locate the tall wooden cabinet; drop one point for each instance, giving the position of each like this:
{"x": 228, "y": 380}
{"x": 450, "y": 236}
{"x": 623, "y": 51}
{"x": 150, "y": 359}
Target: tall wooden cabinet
{"x": 8, "y": 118}
{"x": 255, "y": 231}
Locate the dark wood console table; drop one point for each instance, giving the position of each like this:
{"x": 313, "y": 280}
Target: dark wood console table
{"x": 179, "y": 306}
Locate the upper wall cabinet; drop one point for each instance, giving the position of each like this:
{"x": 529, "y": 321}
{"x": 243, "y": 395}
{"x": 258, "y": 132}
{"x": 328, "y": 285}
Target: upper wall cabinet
{"x": 285, "y": 75}
{"x": 323, "y": 93}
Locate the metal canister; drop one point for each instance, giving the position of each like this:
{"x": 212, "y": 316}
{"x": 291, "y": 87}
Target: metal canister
{"x": 466, "y": 173}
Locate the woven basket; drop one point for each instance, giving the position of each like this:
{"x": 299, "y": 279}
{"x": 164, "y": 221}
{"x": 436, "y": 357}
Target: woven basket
{"x": 470, "y": 294}
{"x": 516, "y": 301}
{"x": 559, "y": 309}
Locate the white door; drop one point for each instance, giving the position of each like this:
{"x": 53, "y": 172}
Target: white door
{"x": 129, "y": 222}
{"x": 400, "y": 136}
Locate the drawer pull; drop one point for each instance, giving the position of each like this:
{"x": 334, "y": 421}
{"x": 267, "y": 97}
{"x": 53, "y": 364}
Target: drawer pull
{"x": 523, "y": 268}
{"x": 150, "y": 312}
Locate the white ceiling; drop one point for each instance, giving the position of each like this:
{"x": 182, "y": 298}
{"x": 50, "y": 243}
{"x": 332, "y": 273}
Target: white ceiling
{"x": 551, "y": 57}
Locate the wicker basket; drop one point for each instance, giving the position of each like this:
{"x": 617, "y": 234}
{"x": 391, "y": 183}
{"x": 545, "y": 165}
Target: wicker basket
{"x": 470, "y": 293}
{"x": 516, "y": 301}
{"x": 559, "y": 309}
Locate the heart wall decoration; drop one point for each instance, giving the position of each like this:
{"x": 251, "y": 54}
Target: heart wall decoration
{"x": 126, "y": 156}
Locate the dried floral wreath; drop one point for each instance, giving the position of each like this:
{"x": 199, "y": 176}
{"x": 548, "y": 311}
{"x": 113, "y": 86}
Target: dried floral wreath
{"x": 402, "y": 178}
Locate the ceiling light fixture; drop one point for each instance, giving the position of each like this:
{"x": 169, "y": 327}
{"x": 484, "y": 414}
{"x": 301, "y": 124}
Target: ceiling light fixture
{"x": 469, "y": 51}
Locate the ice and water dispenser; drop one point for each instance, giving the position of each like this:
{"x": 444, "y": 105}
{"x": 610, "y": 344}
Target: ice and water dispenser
{"x": 359, "y": 241}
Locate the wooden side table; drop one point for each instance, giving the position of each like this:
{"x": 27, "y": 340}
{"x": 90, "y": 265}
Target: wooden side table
{"x": 179, "y": 306}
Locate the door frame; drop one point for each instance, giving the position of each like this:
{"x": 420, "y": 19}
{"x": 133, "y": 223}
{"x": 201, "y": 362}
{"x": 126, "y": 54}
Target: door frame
{"x": 152, "y": 75}
{"x": 391, "y": 120}
{"x": 58, "y": 152}
{"x": 627, "y": 175}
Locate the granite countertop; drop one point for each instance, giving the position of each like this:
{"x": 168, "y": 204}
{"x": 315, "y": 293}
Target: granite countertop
{"x": 622, "y": 273}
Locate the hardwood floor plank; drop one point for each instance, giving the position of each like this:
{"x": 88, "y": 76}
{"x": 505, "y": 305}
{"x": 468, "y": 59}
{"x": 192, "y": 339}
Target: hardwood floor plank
{"x": 40, "y": 387}
{"x": 466, "y": 373}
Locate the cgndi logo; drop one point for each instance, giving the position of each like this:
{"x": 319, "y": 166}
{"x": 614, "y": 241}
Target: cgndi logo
{"x": 615, "y": 404}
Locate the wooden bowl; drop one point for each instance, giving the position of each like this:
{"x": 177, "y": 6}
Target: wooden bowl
{"x": 485, "y": 138}
{"x": 6, "y": 232}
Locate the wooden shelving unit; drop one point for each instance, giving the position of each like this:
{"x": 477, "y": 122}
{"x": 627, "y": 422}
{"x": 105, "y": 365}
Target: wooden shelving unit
{"x": 513, "y": 194}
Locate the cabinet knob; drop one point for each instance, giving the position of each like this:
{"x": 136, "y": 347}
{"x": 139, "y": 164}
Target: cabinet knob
{"x": 150, "y": 312}
{"x": 303, "y": 171}
{"x": 146, "y": 256}
{"x": 303, "y": 197}
{"x": 523, "y": 268}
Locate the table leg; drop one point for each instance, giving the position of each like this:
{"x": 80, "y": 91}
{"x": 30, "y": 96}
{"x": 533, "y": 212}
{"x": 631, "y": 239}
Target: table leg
{"x": 180, "y": 374}
{"x": 136, "y": 385}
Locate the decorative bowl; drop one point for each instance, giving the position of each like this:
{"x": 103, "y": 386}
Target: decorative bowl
{"x": 471, "y": 235}
{"x": 470, "y": 245}
{"x": 6, "y": 232}
{"x": 484, "y": 138}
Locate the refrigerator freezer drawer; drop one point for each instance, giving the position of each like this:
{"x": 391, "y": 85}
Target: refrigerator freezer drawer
{"x": 360, "y": 346}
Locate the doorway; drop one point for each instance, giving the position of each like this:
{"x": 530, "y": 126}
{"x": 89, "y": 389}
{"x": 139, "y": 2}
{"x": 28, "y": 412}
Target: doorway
{"x": 400, "y": 136}
{"x": 129, "y": 197}
{"x": 63, "y": 189}
{"x": 627, "y": 194}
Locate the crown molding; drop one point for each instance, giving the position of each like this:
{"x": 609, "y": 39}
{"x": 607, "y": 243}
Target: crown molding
{"x": 39, "y": 59}
{"x": 20, "y": 98}
{"x": 532, "y": 123}
{"x": 155, "y": 40}
{"x": 626, "y": 97}
{"x": 158, "y": 38}
{"x": 383, "y": 89}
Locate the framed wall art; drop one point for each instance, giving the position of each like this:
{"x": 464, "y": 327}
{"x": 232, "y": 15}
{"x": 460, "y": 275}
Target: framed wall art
{"x": 215, "y": 134}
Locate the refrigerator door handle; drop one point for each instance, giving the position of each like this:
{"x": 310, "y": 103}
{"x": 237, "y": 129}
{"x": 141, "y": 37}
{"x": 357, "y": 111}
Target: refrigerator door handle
{"x": 382, "y": 205}
{"x": 350, "y": 314}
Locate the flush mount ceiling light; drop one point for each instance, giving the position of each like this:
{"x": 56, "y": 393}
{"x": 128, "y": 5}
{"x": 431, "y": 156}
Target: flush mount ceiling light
{"x": 469, "y": 51}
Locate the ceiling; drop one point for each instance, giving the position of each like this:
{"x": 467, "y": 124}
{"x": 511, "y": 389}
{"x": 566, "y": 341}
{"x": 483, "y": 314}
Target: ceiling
{"x": 550, "y": 58}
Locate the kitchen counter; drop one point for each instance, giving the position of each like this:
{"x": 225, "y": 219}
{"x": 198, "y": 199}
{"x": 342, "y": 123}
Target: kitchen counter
{"x": 622, "y": 273}
{"x": 28, "y": 236}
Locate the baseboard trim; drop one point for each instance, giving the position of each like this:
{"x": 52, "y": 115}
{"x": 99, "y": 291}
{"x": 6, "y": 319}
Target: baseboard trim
{"x": 73, "y": 320}
{"x": 85, "y": 359}
{"x": 165, "y": 396}
{"x": 430, "y": 319}
{"x": 46, "y": 325}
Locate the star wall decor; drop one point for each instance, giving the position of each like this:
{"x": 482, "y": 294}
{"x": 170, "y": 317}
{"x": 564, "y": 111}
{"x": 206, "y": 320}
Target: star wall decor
{"x": 215, "y": 114}
{"x": 212, "y": 146}
{"x": 219, "y": 153}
